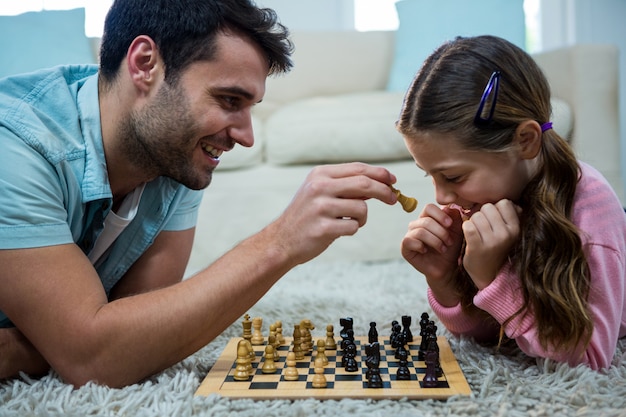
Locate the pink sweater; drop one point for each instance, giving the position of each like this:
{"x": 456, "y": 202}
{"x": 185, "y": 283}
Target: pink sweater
{"x": 599, "y": 215}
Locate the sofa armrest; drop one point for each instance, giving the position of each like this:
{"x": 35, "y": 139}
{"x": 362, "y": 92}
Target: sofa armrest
{"x": 586, "y": 77}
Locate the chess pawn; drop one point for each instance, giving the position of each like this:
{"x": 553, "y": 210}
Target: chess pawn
{"x": 269, "y": 366}
{"x": 243, "y": 360}
{"x": 291, "y": 371}
{"x": 279, "y": 333}
{"x": 257, "y": 336}
{"x": 403, "y": 373}
{"x": 271, "y": 340}
{"x": 297, "y": 342}
{"x": 319, "y": 379}
{"x": 408, "y": 203}
{"x": 272, "y": 333}
{"x": 372, "y": 335}
{"x": 321, "y": 348}
{"x": 395, "y": 331}
{"x": 330, "y": 338}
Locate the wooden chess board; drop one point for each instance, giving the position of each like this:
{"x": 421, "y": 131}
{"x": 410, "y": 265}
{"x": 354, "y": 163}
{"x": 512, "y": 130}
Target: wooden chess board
{"x": 340, "y": 383}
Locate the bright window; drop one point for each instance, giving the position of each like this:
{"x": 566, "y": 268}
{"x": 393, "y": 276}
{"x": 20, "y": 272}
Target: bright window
{"x": 375, "y": 15}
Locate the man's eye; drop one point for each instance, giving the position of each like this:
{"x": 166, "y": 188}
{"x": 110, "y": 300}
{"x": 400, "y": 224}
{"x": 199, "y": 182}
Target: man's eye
{"x": 231, "y": 101}
{"x": 452, "y": 179}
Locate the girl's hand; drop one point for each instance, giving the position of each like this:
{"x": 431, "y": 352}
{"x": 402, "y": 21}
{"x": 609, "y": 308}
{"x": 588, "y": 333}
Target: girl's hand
{"x": 433, "y": 245}
{"x": 490, "y": 234}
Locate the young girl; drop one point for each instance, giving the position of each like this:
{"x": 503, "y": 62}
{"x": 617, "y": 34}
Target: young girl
{"x": 528, "y": 242}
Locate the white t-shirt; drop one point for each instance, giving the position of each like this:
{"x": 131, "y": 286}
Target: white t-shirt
{"x": 115, "y": 223}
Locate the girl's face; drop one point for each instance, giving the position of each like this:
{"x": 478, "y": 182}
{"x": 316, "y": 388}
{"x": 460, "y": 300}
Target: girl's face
{"x": 469, "y": 178}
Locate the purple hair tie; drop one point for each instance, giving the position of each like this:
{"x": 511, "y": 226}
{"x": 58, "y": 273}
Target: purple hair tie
{"x": 546, "y": 126}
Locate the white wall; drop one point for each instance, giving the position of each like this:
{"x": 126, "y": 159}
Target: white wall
{"x": 313, "y": 15}
{"x": 567, "y": 22}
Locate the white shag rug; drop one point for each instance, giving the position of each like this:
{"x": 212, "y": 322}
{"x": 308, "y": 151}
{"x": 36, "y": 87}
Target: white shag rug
{"x": 503, "y": 383}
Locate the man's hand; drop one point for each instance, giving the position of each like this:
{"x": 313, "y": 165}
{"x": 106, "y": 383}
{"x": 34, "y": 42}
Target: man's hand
{"x": 329, "y": 204}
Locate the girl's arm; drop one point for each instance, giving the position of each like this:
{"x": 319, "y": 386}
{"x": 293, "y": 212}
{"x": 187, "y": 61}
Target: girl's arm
{"x": 606, "y": 302}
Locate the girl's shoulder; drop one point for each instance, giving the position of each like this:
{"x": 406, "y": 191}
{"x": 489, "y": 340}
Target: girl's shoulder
{"x": 597, "y": 210}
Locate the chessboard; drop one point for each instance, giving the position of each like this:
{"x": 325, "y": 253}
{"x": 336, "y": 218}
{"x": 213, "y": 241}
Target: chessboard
{"x": 340, "y": 383}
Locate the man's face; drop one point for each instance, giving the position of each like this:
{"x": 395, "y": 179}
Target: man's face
{"x": 183, "y": 129}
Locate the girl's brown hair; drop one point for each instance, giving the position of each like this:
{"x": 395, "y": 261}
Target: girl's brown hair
{"x": 548, "y": 258}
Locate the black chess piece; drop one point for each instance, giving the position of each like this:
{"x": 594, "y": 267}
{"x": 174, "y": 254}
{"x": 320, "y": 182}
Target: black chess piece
{"x": 349, "y": 338}
{"x": 349, "y": 358}
{"x": 400, "y": 345}
{"x": 347, "y": 323}
{"x": 395, "y": 331}
{"x": 345, "y": 344}
{"x": 403, "y": 373}
{"x": 429, "y": 330}
{"x": 372, "y": 335}
{"x": 423, "y": 333}
{"x": 433, "y": 346}
{"x": 406, "y": 328}
{"x": 372, "y": 360}
{"x": 430, "y": 376}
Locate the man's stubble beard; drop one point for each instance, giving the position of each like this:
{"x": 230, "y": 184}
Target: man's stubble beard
{"x": 160, "y": 139}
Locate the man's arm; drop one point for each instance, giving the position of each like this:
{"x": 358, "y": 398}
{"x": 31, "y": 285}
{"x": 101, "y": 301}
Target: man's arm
{"x": 55, "y": 297}
{"x": 162, "y": 265}
{"x": 19, "y": 355}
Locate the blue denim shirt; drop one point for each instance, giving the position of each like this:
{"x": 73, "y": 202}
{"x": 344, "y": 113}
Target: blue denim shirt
{"x": 54, "y": 187}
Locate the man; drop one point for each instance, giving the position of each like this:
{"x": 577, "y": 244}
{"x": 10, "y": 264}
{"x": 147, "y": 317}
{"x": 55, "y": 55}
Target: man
{"x": 97, "y": 180}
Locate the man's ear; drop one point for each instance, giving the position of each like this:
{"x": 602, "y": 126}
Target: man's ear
{"x": 528, "y": 137}
{"x": 144, "y": 63}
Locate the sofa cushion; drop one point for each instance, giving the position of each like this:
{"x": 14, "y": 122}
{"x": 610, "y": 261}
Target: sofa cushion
{"x": 351, "y": 127}
{"x": 342, "y": 128}
{"x": 35, "y": 40}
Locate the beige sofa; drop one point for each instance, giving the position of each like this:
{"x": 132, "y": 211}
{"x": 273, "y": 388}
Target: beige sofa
{"x": 333, "y": 107}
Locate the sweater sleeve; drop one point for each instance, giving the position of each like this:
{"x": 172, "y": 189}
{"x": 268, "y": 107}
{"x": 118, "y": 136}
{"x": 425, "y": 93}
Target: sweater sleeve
{"x": 458, "y": 322}
{"x": 502, "y": 299}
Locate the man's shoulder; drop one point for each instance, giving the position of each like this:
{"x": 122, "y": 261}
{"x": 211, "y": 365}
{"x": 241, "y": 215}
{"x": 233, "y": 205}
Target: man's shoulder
{"x": 28, "y": 87}
{"x": 41, "y": 108}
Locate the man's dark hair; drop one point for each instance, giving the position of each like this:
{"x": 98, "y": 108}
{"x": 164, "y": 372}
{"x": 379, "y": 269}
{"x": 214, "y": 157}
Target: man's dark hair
{"x": 185, "y": 32}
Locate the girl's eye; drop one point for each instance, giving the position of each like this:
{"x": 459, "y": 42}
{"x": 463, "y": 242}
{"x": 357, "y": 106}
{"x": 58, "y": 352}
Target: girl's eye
{"x": 453, "y": 180}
